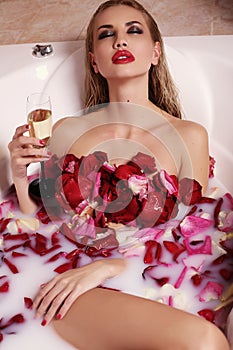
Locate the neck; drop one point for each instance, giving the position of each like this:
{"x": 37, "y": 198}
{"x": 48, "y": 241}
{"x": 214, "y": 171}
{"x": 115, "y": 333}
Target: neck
{"x": 129, "y": 90}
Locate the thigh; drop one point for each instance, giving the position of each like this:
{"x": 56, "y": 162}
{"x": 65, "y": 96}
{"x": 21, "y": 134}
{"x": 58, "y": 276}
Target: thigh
{"x": 103, "y": 319}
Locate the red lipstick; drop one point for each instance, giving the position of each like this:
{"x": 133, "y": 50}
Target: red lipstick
{"x": 122, "y": 57}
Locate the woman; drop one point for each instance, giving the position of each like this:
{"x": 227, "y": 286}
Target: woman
{"x": 124, "y": 53}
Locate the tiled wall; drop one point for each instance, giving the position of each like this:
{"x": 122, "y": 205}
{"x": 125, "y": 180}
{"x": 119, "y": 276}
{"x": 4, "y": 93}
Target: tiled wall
{"x": 23, "y": 21}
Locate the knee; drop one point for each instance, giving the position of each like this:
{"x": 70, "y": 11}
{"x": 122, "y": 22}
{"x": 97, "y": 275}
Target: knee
{"x": 210, "y": 338}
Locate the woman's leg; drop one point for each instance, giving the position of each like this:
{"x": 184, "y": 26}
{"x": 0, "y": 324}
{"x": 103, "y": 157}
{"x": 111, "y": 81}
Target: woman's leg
{"x": 103, "y": 319}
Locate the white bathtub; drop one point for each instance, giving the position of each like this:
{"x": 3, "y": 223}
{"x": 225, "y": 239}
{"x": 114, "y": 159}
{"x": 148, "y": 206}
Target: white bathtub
{"x": 202, "y": 68}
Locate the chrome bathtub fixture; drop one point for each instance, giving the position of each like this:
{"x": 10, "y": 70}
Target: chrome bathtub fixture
{"x": 42, "y": 50}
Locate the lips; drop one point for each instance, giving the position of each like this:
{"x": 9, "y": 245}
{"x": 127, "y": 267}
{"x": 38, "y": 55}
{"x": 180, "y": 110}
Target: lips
{"x": 122, "y": 57}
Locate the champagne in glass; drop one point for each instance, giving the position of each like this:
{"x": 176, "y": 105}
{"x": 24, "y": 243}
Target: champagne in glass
{"x": 40, "y": 116}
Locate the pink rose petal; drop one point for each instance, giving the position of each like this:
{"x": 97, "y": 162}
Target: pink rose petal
{"x": 192, "y": 225}
{"x": 206, "y": 248}
{"x": 211, "y": 291}
{"x": 5, "y": 207}
{"x": 169, "y": 182}
{"x": 181, "y": 277}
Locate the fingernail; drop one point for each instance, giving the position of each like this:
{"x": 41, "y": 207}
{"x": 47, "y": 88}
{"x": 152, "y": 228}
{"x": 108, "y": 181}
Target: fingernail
{"x": 59, "y": 316}
{"x": 42, "y": 142}
{"x": 42, "y": 285}
{"x": 49, "y": 153}
{"x": 43, "y": 323}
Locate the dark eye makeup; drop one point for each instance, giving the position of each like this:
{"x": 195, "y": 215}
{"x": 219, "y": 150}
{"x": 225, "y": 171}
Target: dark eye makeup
{"x": 134, "y": 29}
{"x": 105, "y": 34}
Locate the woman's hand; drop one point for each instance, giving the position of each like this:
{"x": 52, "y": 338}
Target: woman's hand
{"x": 23, "y": 152}
{"x": 57, "y": 296}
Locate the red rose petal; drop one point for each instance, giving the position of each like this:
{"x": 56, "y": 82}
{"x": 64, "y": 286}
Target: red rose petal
{"x": 28, "y": 302}
{"x": 175, "y": 248}
{"x": 64, "y": 267}
{"x": 11, "y": 266}
{"x": 197, "y": 279}
{"x": 226, "y": 273}
{"x": 3, "y": 224}
{"x": 17, "y": 255}
{"x": 4, "y": 287}
{"x": 207, "y": 314}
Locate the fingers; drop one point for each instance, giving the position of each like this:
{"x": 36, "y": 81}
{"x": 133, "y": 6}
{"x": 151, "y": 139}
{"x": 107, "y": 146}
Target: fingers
{"x": 55, "y": 299}
{"x": 20, "y": 140}
{"x": 20, "y": 130}
{"x": 25, "y": 142}
{"x": 26, "y": 149}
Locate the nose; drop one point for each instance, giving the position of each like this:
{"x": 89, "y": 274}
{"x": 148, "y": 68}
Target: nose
{"x": 120, "y": 42}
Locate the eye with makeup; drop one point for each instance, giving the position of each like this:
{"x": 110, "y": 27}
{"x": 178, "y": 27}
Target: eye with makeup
{"x": 105, "y": 34}
{"x": 134, "y": 30}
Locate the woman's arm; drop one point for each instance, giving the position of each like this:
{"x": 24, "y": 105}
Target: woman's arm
{"x": 56, "y": 297}
{"x": 195, "y": 162}
{"x": 23, "y": 151}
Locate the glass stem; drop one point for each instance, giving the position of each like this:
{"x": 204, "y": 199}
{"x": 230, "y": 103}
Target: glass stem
{"x": 44, "y": 186}
{"x": 42, "y": 171}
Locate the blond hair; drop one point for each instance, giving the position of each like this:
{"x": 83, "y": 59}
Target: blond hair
{"x": 162, "y": 91}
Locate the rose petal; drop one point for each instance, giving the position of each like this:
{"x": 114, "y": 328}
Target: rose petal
{"x": 192, "y": 225}
{"x": 5, "y": 207}
{"x": 211, "y": 291}
{"x": 206, "y": 248}
{"x": 169, "y": 182}
{"x": 207, "y": 314}
{"x": 11, "y": 266}
{"x": 28, "y": 302}
{"x": 181, "y": 277}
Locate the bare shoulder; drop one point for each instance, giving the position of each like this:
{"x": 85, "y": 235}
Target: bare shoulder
{"x": 191, "y": 132}
{"x": 59, "y": 122}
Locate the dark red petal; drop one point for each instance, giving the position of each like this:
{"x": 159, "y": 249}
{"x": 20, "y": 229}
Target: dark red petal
{"x": 4, "y": 287}
{"x": 64, "y": 267}
{"x": 15, "y": 319}
{"x": 28, "y": 302}
{"x": 3, "y": 224}
{"x": 11, "y": 266}
{"x": 150, "y": 252}
{"x": 226, "y": 274}
{"x": 74, "y": 253}
{"x": 174, "y": 248}
{"x": 51, "y": 249}
{"x": 41, "y": 243}
{"x": 21, "y": 236}
{"x": 207, "y": 314}
{"x": 217, "y": 211}
{"x": 56, "y": 257}
{"x": 55, "y": 239}
{"x": 197, "y": 279}
{"x": 219, "y": 260}
{"x": 17, "y": 255}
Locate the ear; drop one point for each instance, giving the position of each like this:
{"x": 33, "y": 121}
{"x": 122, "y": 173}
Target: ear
{"x": 156, "y": 53}
{"x": 93, "y": 63}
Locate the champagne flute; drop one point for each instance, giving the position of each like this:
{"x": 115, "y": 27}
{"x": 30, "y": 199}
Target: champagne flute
{"x": 39, "y": 117}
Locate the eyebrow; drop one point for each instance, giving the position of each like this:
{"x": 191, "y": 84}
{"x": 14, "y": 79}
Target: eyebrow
{"x": 111, "y": 26}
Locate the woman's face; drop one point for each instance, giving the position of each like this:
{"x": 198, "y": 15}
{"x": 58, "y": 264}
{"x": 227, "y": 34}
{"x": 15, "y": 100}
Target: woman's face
{"x": 123, "y": 46}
